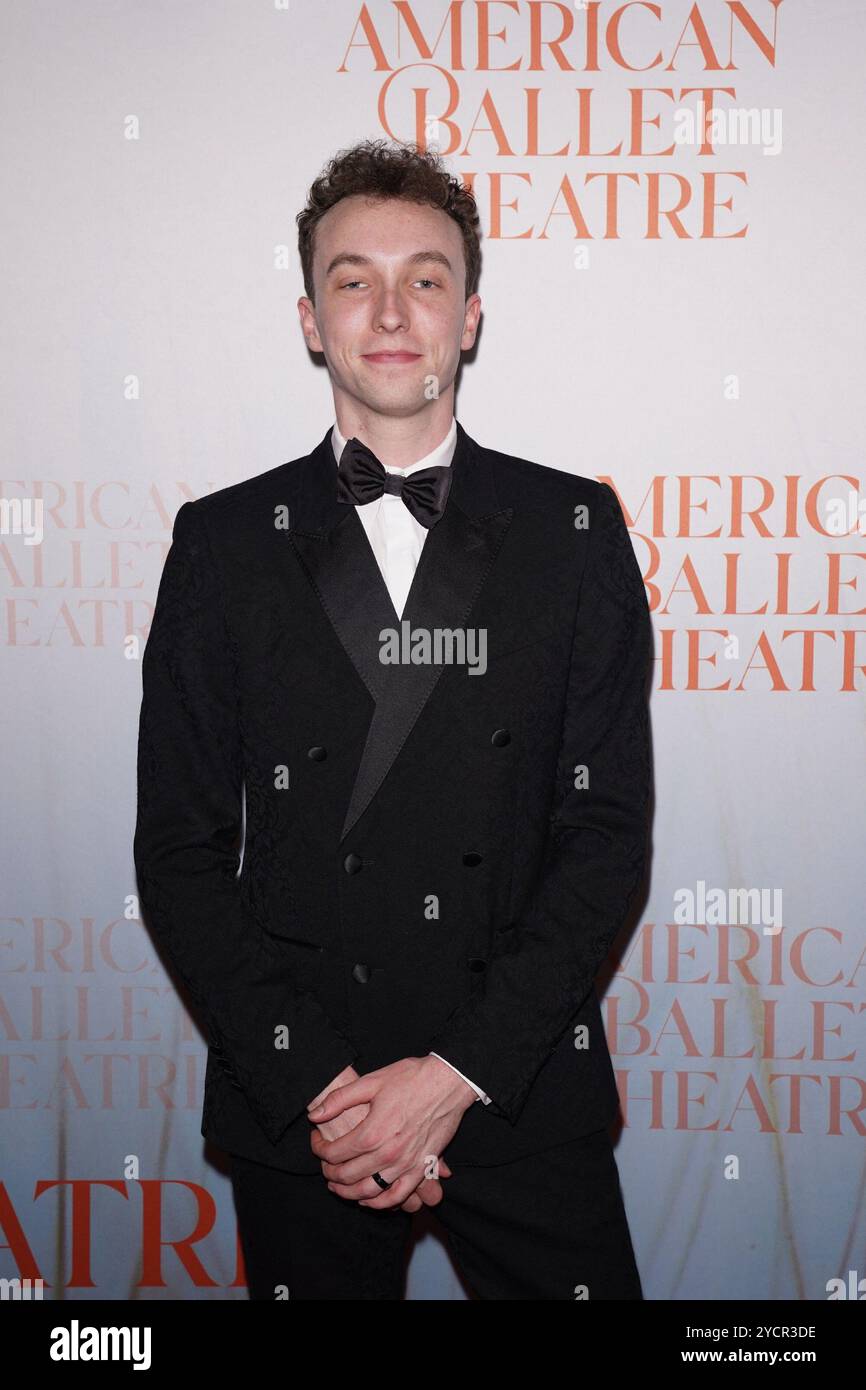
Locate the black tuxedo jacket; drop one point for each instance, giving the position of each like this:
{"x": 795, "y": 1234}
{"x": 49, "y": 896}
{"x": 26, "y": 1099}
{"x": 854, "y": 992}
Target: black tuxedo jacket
{"x": 425, "y": 866}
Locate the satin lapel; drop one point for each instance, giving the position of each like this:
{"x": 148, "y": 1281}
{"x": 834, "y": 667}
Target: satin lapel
{"x": 332, "y": 545}
{"x": 333, "y": 549}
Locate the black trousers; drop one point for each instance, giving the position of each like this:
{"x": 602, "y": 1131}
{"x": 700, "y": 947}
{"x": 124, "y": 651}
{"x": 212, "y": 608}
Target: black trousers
{"x": 550, "y": 1226}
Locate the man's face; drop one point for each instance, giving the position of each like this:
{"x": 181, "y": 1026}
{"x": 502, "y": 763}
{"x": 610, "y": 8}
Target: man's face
{"x": 390, "y": 314}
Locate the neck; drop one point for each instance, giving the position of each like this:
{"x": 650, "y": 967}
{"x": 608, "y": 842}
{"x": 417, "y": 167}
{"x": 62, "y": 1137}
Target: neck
{"x": 398, "y": 441}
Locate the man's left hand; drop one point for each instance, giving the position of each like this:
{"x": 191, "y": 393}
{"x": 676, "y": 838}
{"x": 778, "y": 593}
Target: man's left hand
{"x": 416, "y": 1106}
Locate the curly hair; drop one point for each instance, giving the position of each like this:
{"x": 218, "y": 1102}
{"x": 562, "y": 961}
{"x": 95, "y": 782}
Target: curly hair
{"x": 378, "y": 169}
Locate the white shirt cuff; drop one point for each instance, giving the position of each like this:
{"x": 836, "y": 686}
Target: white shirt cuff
{"x": 477, "y": 1089}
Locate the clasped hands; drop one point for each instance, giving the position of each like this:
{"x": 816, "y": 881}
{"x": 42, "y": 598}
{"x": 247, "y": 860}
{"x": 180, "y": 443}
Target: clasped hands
{"x": 395, "y": 1122}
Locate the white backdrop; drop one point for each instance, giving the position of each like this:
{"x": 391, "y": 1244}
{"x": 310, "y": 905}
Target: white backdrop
{"x": 154, "y": 157}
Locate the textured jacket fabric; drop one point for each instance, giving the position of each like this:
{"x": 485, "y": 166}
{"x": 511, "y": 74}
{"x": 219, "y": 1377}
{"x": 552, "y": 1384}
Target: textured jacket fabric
{"x": 347, "y": 861}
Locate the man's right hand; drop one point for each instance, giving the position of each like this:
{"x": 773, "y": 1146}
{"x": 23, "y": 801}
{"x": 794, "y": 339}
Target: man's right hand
{"x": 429, "y": 1190}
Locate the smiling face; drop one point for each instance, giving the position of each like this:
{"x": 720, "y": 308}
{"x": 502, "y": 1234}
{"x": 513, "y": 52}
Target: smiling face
{"x": 391, "y": 315}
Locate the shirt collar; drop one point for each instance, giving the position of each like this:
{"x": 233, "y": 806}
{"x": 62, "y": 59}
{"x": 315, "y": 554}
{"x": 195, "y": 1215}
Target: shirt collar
{"x": 442, "y": 454}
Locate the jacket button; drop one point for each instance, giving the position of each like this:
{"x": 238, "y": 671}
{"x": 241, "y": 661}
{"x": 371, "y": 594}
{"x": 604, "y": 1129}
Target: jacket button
{"x": 361, "y": 973}
{"x": 353, "y": 863}
{"x": 478, "y": 965}
{"x": 472, "y": 860}
{"x": 317, "y": 755}
{"x": 500, "y": 738}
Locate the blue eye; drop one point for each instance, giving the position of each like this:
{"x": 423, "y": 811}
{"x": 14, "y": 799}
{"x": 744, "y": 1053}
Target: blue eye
{"x": 425, "y": 280}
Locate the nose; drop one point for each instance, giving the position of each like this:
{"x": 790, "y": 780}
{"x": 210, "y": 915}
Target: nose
{"x": 390, "y": 311}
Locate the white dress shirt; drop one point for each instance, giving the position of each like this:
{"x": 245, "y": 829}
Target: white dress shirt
{"x": 397, "y": 540}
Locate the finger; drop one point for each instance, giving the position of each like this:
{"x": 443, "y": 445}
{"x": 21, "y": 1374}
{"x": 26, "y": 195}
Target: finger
{"x": 357, "y": 1166}
{"x": 436, "y": 1168}
{"x": 362, "y": 1187}
{"x": 347, "y": 1147}
{"x": 351, "y": 1192}
{"x": 397, "y": 1193}
{"x": 430, "y": 1192}
{"x": 413, "y": 1203}
{"x": 338, "y": 1100}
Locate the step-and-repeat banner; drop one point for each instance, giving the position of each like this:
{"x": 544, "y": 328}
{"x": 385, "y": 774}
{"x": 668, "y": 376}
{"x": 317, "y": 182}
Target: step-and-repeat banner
{"x": 672, "y": 287}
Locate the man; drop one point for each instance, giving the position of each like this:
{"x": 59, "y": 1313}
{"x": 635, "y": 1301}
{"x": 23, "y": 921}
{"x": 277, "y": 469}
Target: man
{"x": 418, "y": 666}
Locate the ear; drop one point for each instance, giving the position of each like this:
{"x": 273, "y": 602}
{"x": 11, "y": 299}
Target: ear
{"x": 309, "y": 327}
{"x": 471, "y": 317}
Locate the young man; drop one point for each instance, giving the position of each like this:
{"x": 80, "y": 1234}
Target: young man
{"x": 419, "y": 667}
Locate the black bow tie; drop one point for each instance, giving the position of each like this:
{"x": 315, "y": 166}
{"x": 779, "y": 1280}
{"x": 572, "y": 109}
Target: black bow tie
{"x": 361, "y": 478}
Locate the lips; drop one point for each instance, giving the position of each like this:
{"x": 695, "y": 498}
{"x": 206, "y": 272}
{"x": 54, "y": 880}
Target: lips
{"x": 389, "y": 357}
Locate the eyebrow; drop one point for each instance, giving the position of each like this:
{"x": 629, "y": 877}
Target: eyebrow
{"x": 418, "y": 258}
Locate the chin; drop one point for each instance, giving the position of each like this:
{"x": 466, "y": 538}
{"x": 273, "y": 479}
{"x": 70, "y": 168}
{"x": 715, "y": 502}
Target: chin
{"x": 402, "y": 404}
